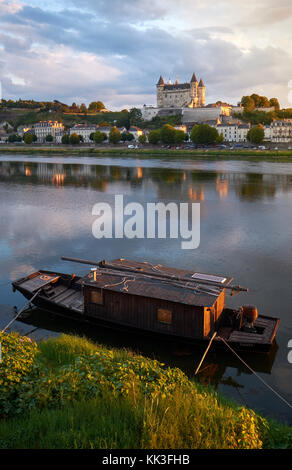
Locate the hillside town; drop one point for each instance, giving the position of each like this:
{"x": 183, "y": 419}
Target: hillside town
{"x": 179, "y": 105}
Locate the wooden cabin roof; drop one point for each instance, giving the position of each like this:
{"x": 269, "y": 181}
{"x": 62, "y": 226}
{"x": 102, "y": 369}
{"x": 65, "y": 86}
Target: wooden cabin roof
{"x": 159, "y": 282}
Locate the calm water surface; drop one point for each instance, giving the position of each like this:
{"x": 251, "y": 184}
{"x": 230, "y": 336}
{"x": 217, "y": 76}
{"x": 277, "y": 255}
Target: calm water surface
{"x": 246, "y": 232}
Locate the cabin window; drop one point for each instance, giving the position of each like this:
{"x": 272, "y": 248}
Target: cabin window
{"x": 96, "y": 296}
{"x": 164, "y": 316}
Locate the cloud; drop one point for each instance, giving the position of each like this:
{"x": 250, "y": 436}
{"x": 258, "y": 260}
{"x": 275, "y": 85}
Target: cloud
{"x": 115, "y": 51}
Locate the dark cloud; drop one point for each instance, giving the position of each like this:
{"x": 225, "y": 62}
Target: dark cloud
{"x": 129, "y": 57}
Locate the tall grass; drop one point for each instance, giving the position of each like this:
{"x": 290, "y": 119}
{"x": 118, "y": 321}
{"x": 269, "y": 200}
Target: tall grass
{"x": 77, "y": 394}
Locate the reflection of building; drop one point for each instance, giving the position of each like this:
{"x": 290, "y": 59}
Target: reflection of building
{"x": 197, "y": 194}
{"x": 222, "y": 188}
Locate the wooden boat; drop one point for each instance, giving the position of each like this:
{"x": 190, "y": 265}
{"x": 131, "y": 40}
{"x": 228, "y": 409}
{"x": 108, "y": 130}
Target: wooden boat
{"x": 176, "y": 304}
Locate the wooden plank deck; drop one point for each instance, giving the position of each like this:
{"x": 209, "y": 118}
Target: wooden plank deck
{"x": 35, "y": 283}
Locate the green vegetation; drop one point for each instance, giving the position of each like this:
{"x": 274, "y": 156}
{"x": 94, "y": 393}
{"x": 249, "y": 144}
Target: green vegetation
{"x": 29, "y": 138}
{"x": 204, "y": 134}
{"x": 256, "y": 101}
{"x": 99, "y": 137}
{"x": 142, "y": 139}
{"x": 71, "y": 393}
{"x": 114, "y": 136}
{"x": 74, "y": 139}
{"x": 256, "y": 134}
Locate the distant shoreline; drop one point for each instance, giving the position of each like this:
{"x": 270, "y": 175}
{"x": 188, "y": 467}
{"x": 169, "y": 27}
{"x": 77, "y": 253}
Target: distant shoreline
{"x": 236, "y": 154}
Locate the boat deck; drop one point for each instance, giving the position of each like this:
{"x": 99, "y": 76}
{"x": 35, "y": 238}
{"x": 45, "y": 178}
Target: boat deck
{"x": 266, "y": 326}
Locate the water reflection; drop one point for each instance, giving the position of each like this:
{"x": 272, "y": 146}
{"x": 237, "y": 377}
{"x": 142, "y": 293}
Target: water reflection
{"x": 244, "y": 186}
{"x": 246, "y": 233}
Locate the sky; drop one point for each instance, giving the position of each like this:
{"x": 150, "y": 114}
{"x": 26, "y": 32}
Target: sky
{"x": 115, "y": 50}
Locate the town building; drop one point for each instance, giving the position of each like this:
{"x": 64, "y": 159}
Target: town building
{"x": 136, "y": 132}
{"x": 190, "y": 117}
{"x": 44, "y": 128}
{"x": 84, "y": 130}
{"x": 233, "y": 132}
{"x": 279, "y": 131}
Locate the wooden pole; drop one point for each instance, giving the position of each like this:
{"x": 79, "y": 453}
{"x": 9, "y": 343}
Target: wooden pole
{"x": 204, "y": 355}
{"x": 103, "y": 264}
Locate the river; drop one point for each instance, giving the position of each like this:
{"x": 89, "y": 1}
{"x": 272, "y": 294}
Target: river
{"x": 246, "y": 233}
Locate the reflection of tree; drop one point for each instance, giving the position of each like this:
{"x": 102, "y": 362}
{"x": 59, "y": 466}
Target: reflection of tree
{"x": 254, "y": 187}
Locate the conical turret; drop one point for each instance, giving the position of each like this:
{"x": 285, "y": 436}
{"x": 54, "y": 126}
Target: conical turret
{"x": 194, "y": 78}
{"x": 160, "y": 81}
{"x": 201, "y": 84}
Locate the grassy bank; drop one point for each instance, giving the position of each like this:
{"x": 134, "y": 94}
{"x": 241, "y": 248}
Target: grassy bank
{"x": 71, "y": 393}
{"x": 239, "y": 154}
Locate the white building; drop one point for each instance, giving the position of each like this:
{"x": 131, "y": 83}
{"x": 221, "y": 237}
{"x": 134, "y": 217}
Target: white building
{"x": 149, "y": 112}
{"x": 44, "y": 128}
{"x": 233, "y": 132}
{"x": 279, "y": 131}
{"x": 83, "y": 130}
{"x": 136, "y": 132}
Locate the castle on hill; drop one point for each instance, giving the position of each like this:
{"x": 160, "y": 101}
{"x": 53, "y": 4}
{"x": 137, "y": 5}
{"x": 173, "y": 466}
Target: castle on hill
{"x": 180, "y": 95}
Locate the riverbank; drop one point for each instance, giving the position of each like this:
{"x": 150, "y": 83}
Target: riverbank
{"x": 238, "y": 154}
{"x": 71, "y": 393}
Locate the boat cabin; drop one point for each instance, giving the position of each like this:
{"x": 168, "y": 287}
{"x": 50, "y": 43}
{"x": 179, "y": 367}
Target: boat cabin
{"x": 155, "y": 298}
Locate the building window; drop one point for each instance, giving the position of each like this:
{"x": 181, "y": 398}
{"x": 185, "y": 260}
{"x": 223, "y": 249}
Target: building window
{"x": 96, "y": 296}
{"x": 164, "y": 316}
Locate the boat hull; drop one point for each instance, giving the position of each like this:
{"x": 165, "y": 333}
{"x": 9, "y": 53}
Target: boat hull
{"x": 246, "y": 343}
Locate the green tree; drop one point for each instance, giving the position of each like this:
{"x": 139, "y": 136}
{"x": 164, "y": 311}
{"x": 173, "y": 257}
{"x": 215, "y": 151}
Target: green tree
{"x": 256, "y": 135}
{"x": 13, "y": 138}
{"x": 28, "y": 138}
{"x": 274, "y": 102}
{"x": 248, "y": 103}
{"x": 135, "y": 116}
{"x": 142, "y": 139}
{"x": 74, "y": 139}
{"x": 83, "y": 108}
{"x": 154, "y": 137}
{"x": 179, "y": 136}
{"x": 66, "y": 139}
{"x": 96, "y": 106}
{"x": 167, "y": 134}
{"x": 114, "y": 135}
{"x": 204, "y": 134}
{"x": 99, "y": 137}
{"x": 49, "y": 138}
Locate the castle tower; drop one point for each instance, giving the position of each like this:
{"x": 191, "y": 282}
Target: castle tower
{"x": 194, "y": 91}
{"x": 201, "y": 94}
{"x": 159, "y": 92}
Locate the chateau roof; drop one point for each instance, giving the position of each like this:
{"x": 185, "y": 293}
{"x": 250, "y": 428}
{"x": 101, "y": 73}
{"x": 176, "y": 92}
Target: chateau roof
{"x": 201, "y": 83}
{"x": 160, "y": 81}
{"x": 194, "y": 78}
{"x": 177, "y": 86}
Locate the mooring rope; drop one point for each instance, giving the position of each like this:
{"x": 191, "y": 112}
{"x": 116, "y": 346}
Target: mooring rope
{"x": 246, "y": 365}
{"x": 20, "y": 312}
{"x": 257, "y": 375}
